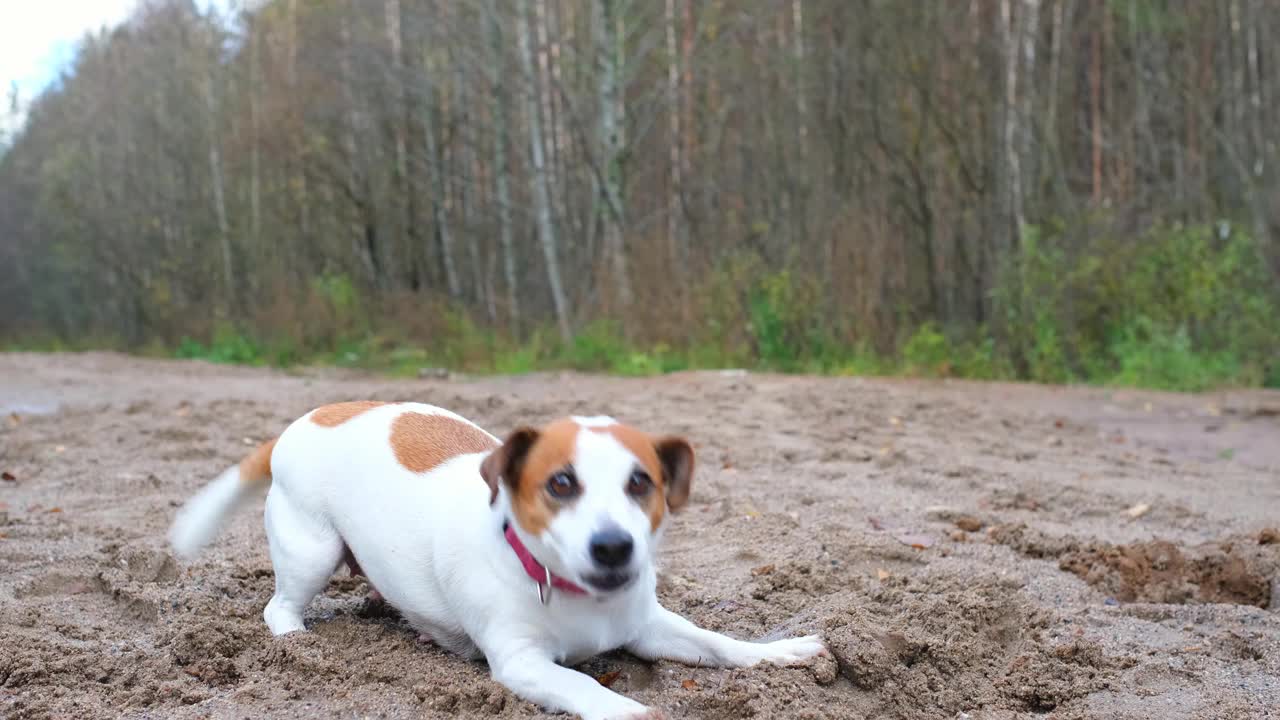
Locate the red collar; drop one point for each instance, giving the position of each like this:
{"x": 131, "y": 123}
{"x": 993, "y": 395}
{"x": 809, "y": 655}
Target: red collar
{"x": 535, "y": 569}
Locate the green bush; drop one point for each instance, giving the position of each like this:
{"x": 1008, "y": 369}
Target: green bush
{"x": 599, "y": 346}
{"x": 928, "y": 351}
{"x": 1181, "y": 307}
{"x": 1272, "y": 377}
{"x": 785, "y": 326}
{"x": 1149, "y": 355}
{"x": 227, "y": 346}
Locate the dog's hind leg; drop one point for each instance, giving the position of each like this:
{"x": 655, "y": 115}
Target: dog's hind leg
{"x": 353, "y": 567}
{"x": 304, "y": 554}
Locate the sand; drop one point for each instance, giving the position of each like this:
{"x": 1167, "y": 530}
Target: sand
{"x": 967, "y": 550}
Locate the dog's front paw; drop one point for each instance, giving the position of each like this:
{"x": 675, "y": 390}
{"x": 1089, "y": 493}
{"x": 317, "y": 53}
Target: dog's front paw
{"x": 791, "y": 651}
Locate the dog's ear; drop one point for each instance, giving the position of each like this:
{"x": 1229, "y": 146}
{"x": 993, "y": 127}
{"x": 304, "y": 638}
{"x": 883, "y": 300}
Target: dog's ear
{"x": 505, "y": 462}
{"x": 676, "y": 456}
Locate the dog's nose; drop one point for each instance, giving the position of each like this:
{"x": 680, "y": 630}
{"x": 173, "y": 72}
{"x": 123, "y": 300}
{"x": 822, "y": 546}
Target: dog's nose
{"x": 611, "y": 548}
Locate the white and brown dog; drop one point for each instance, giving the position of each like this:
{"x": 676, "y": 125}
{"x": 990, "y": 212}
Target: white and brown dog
{"x": 529, "y": 553}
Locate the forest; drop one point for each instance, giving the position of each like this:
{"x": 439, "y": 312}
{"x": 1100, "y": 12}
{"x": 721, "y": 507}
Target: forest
{"x": 1054, "y": 190}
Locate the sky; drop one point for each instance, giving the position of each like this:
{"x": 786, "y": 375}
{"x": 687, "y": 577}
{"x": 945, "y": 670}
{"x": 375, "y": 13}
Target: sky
{"x": 38, "y": 40}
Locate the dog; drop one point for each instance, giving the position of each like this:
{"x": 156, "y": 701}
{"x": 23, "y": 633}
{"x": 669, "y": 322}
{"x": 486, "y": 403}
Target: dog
{"x": 533, "y": 553}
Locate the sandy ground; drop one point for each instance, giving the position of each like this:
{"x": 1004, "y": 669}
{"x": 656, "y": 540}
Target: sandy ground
{"x": 967, "y": 550}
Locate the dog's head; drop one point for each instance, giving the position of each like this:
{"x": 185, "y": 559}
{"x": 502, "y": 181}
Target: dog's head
{"x": 589, "y": 496}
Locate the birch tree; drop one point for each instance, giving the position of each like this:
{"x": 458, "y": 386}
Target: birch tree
{"x": 541, "y": 193}
{"x": 610, "y": 62}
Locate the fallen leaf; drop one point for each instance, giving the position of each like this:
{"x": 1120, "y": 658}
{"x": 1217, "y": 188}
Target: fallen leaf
{"x": 689, "y": 685}
{"x": 6, "y": 475}
{"x": 968, "y": 523}
{"x": 919, "y": 542}
{"x": 762, "y": 570}
{"x": 882, "y": 574}
{"x": 1138, "y": 510}
{"x": 1059, "y": 424}
{"x": 609, "y": 678}
{"x": 54, "y": 510}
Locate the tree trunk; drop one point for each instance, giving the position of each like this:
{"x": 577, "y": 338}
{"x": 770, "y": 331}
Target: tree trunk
{"x": 502, "y": 125}
{"x": 1146, "y": 158}
{"x": 1025, "y": 176}
{"x": 686, "y": 86}
{"x": 1008, "y": 170}
{"x": 802, "y": 107}
{"x": 1052, "y": 154}
{"x": 1238, "y": 100}
{"x": 547, "y": 102}
{"x": 612, "y": 120}
{"x": 255, "y": 183}
{"x": 438, "y": 190}
{"x": 541, "y": 196}
{"x": 675, "y": 241}
{"x": 299, "y": 155}
{"x": 1095, "y": 102}
{"x": 798, "y": 188}
{"x": 1257, "y": 119}
{"x": 400, "y": 208}
{"x": 364, "y": 236}
{"x": 467, "y": 184}
{"x": 219, "y": 202}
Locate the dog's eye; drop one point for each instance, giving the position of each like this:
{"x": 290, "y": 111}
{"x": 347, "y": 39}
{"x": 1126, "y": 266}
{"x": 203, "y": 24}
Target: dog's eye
{"x": 563, "y": 485}
{"x": 640, "y": 484}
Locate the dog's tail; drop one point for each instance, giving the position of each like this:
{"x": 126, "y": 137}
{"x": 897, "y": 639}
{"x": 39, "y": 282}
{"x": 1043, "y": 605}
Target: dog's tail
{"x": 205, "y": 514}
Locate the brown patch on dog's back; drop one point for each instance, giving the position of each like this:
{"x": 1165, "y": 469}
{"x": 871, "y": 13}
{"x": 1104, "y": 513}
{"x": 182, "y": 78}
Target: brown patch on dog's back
{"x": 641, "y": 445}
{"x": 338, "y": 413}
{"x": 256, "y": 467}
{"x": 422, "y": 442}
{"x": 552, "y": 450}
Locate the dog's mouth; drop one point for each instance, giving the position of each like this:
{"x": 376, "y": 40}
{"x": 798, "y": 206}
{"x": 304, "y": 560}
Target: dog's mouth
{"x": 609, "y": 581}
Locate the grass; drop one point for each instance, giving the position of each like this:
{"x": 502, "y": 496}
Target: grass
{"x": 1186, "y": 308}
{"x": 1142, "y": 356}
